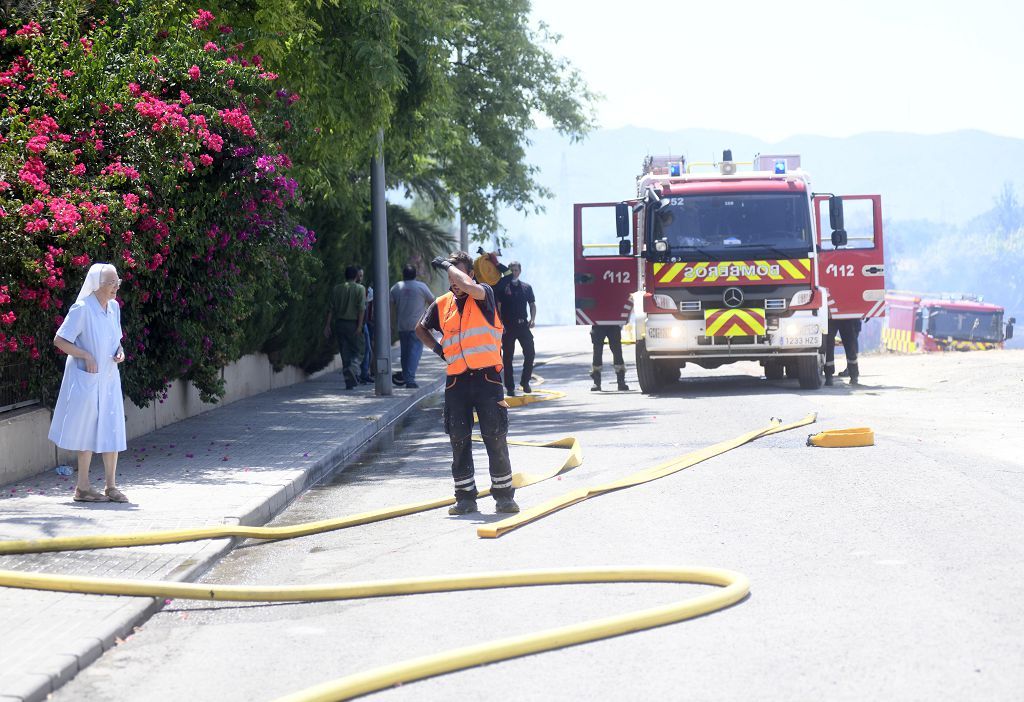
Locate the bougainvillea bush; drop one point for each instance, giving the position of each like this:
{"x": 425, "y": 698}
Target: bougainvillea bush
{"x": 142, "y": 134}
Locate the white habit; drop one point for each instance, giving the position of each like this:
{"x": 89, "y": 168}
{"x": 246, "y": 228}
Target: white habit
{"x": 89, "y": 415}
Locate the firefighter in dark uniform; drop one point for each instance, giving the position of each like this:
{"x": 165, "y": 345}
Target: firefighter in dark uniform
{"x": 848, "y": 330}
{"x": 470, "y": 328}
{"x": 514, "y": 298}
{"x": 612, "y": 332}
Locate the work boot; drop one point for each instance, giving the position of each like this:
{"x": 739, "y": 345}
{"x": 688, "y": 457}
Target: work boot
{"x": 467, "y": 506}
{"x": 510, "y": 391}
{"x": 505, "y": 505}
{"x": 620, "y": 376}
{"x": 845, "y": 373}
{"x": 854, "y": 380}
{"x": 596, "y": 377}
{"x": 828, "y": 380}
{"x": 350, "y": 380}
{"x": 526, "y": 387}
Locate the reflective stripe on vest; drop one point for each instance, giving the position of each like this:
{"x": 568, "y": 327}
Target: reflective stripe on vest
{"x": 468, "y": 340}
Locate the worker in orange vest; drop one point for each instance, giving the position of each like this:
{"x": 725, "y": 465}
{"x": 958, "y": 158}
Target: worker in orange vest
{"x": 467, "y": 319}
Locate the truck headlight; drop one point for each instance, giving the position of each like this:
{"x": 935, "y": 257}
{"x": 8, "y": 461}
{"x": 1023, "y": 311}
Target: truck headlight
{"x": 664, "y": 302}
{"x": 801, "y": 298}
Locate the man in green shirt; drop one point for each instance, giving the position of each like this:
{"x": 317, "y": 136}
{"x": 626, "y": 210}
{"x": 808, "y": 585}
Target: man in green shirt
{"x": 345, "y": 318}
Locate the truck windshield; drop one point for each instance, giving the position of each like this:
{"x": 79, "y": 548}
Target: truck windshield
{"x": 965, "y": 325}
{"x": 778, "y": 221}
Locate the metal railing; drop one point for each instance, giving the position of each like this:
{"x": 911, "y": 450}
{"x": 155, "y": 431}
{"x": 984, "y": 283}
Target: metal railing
{"x": 14, "y": 385}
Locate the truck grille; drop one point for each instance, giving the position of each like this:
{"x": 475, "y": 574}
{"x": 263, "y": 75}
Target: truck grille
{"x": 729, "y": 340}
{"x": 689, "y": 306}
{"x": 775, "y": 304}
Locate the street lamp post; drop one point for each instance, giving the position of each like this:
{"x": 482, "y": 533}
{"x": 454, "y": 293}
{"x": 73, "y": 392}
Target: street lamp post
{"x": 381, "y": 297}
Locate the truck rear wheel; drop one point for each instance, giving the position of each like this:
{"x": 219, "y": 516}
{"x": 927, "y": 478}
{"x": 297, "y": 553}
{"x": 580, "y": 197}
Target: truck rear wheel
{"x": 646, "y": 372}
{"x": 809, "y": 371}
{"x": 774, "y": 370}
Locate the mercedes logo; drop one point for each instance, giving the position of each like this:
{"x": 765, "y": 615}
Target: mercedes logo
{"x": 733, "y": 297}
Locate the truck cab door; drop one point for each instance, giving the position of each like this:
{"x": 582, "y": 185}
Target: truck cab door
{"x": 604, "y": 276}
{"x": 855, "y": 273}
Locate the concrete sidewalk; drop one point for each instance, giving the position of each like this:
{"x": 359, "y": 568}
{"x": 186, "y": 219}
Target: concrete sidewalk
{"x": 238, "y": 464}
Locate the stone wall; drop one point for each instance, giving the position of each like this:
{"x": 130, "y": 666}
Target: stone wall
{"x": 25, "y": 450}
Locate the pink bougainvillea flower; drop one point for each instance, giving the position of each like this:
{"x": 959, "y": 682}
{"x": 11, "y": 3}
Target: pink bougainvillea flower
{"x": 194, "y": 73}
{"x": 37, "y": 144}
{"x": 203, "y": 19}
{"x": 210, "y": 46}
{"x": 206, "y": 160}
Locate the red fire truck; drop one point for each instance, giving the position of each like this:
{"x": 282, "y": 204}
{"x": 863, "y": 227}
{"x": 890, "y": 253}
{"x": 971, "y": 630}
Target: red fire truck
{"x": 943, "y": 322}
{"x": 716, "y": 267}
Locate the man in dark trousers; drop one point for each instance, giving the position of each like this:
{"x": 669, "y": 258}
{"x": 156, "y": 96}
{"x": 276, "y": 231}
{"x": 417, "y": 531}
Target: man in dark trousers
{"x": 467, "y": 318}
{"x": 345, "y": 318}
{"x": 514, "y": 298}
{"x": 848, "y": 330}
{"x": 612, "y": 332}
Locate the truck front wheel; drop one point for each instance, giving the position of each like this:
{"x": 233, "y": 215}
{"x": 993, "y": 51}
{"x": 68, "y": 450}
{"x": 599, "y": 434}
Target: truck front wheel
{"x": 646, "y": 372}
{"x": 809, "y": 371}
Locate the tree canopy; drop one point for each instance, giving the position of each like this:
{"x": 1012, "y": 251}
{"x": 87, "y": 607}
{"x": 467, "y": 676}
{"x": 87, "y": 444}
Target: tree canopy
{"x": 200, "y": 145}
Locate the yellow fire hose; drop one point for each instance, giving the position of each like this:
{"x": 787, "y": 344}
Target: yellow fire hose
{"x": 734, "y": 585}
{"x": 493, "y": 531}
{"x": 152, "y": 538}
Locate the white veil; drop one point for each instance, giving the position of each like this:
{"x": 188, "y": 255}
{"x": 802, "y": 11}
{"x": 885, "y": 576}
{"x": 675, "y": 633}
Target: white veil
{"x": 92, "y": 280}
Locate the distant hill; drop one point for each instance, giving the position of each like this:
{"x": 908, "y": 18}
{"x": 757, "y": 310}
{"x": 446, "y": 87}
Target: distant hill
{"x": 947, "y": 179}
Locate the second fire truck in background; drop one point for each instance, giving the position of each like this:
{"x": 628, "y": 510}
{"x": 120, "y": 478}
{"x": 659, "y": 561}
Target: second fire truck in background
{"x": 922, "y": 322}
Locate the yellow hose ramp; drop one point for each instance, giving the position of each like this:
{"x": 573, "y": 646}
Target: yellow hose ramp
{"x": 842, "y": 438}
{"x": 493, "y": 531}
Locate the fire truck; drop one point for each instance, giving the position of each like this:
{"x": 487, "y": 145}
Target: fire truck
{"x": 923, "y": 322}
{"x": 732, "y": 264}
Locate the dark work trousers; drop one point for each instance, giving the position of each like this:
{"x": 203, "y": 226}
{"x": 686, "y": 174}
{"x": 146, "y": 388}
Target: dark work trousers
{"x": 612, "y": 332}
{"x": 480, "y": 391}
{"x": 517, "y": 330}
{"x": 351, "y": 346}
{"x": 848, "y": 330}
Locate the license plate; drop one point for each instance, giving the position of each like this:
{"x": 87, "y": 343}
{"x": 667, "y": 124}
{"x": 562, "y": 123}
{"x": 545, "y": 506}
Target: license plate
{"x": 799, "y": 341}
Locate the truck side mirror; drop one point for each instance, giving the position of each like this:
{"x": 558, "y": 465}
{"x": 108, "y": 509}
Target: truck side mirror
{"x": 622, "y": 220}
{"x": 624, "y": 247}
{"x": 835, "y": 218}
{"x": 835, "y": 212}
{"x": 1009, "y": 329}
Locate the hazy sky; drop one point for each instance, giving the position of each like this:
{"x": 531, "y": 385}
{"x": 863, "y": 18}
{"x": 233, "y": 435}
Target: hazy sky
{"x": 775, "y": 68}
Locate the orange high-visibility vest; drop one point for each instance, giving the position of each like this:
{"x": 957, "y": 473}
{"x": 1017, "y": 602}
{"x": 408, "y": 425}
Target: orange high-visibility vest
{"x": 468, "y": 340}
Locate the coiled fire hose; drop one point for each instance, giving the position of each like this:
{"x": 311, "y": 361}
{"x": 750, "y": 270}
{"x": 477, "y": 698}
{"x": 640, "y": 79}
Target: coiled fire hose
{"x": 734, "y": 586}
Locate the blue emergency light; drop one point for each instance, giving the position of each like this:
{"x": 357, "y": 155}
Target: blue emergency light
{"x": 780, "y": 166}
{"x": 675, "y": 169}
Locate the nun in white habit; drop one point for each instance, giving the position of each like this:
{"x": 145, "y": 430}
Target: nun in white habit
{"x": 89, "y": 416}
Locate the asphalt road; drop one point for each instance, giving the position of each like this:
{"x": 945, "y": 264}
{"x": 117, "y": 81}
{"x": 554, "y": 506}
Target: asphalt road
{"x": 890, "y": 572}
